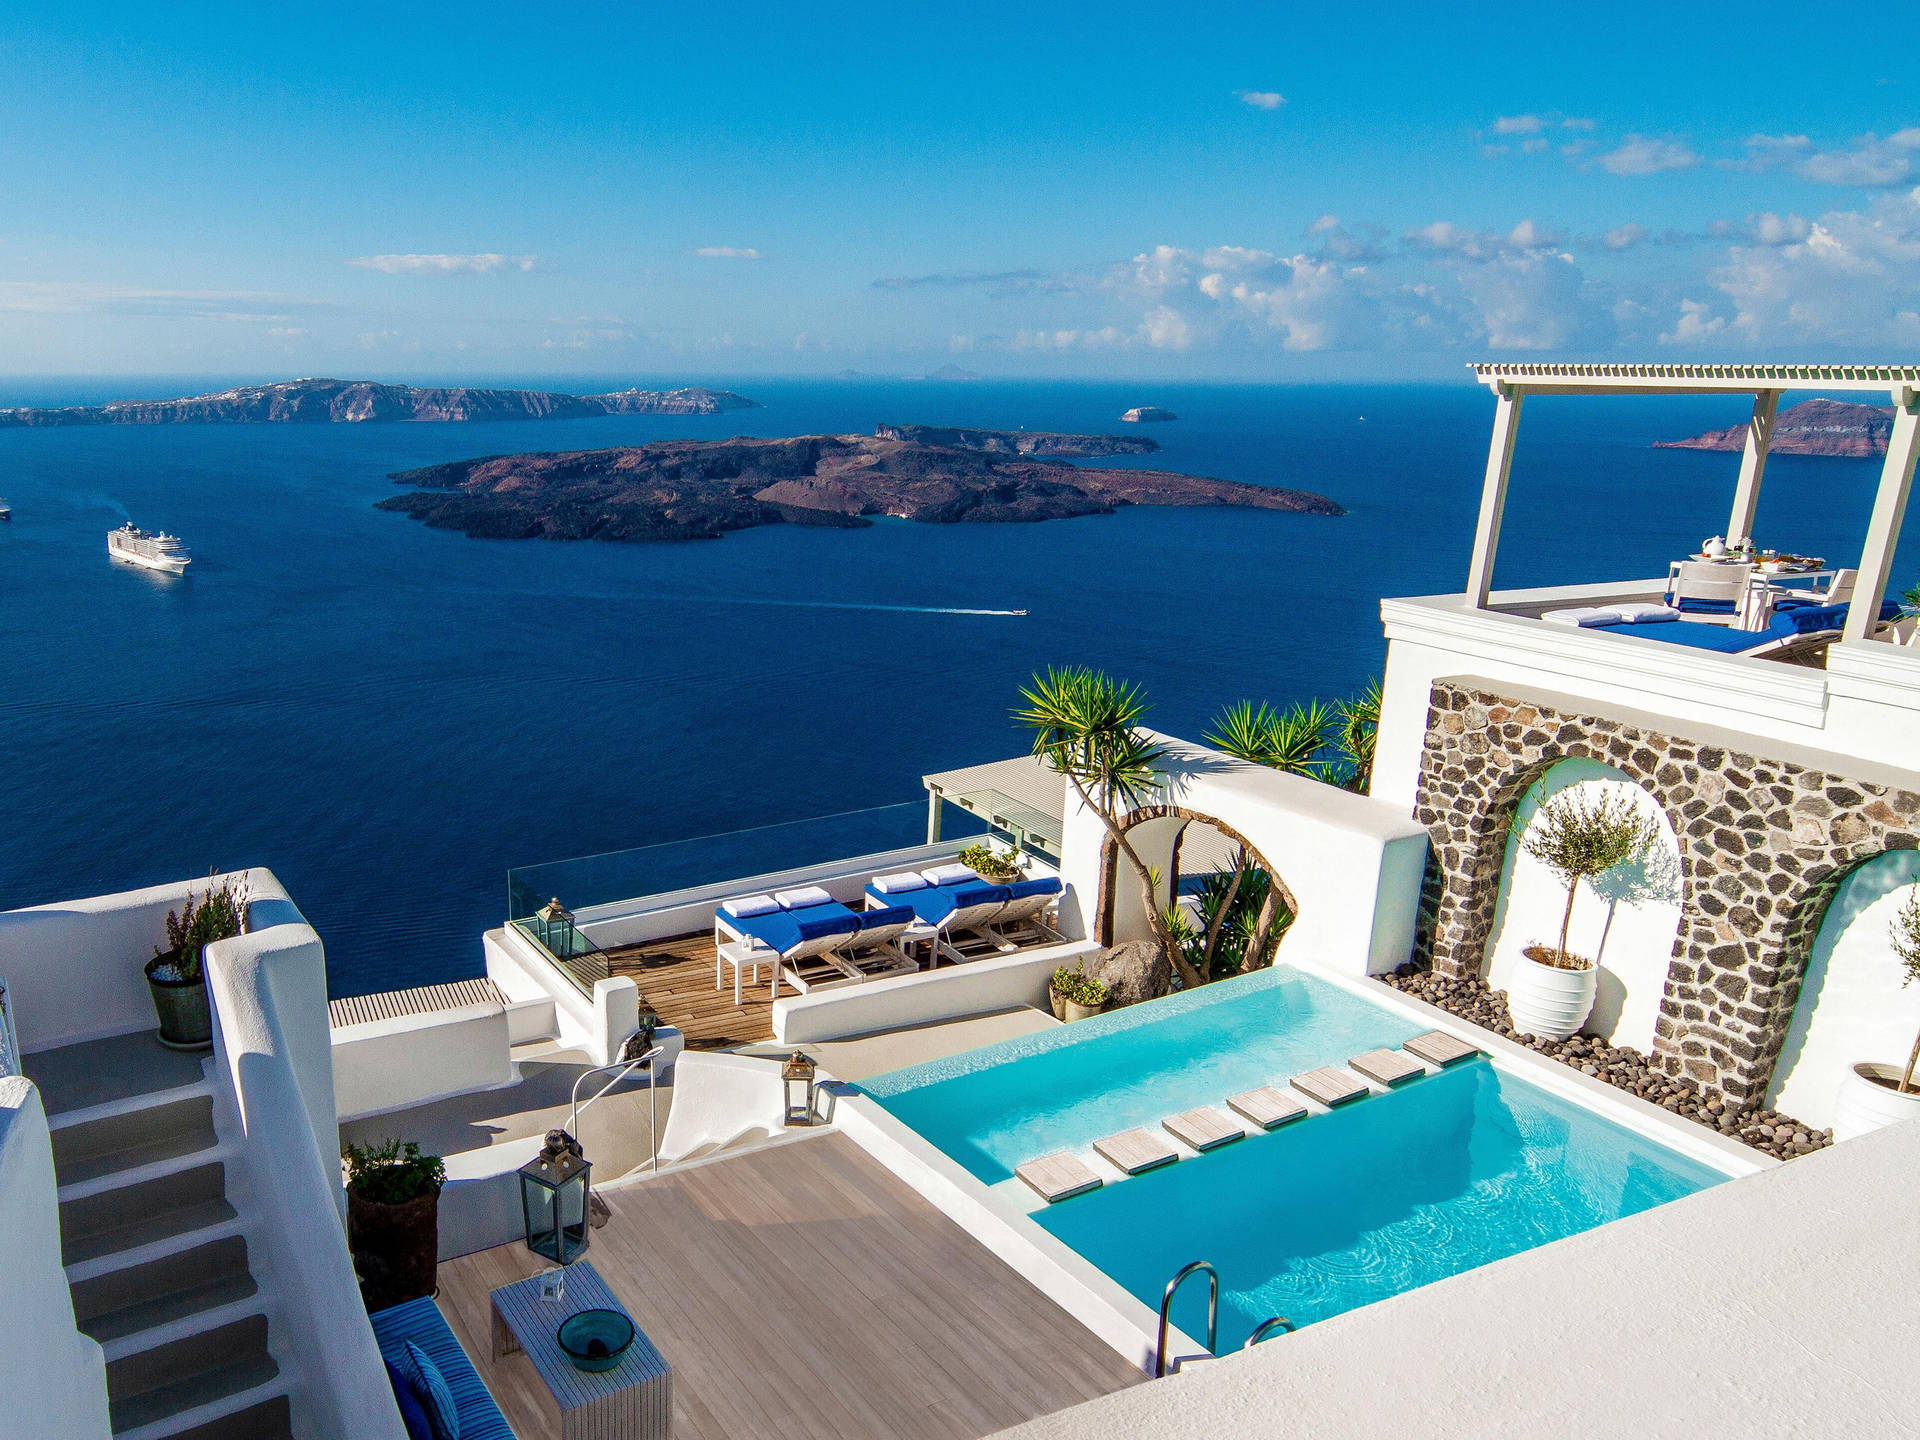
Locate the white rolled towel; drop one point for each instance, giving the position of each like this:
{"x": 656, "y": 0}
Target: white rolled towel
{"x": 747, "y": 906}
{"x": 803, "y": 898}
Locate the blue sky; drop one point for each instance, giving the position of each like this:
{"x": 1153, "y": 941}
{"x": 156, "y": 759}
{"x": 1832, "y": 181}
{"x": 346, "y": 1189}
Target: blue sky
{"x": 1267, "y": 192}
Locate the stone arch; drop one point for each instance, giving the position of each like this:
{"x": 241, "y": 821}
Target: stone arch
{"x": 1763, "y": 843}
{"x": 1111, "y": 865}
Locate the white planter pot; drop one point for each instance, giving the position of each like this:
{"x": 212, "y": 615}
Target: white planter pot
{"x": 1865, "y": 1104}
{"x": 1548, "y": 1001}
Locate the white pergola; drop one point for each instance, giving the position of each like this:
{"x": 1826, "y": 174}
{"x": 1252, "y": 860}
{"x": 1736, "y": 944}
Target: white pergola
{"x": 1513, "y": 383}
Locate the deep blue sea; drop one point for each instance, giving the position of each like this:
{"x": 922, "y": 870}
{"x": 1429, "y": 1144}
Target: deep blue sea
{"x": 390, "y": 716}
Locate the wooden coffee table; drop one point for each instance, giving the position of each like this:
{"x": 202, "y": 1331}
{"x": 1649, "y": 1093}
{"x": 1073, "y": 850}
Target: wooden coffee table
{"x": 632, "y": 1401}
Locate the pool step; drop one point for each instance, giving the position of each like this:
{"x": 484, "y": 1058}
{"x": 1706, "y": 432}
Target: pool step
{"x": 1133, "y": 1151}
{"x": 1439, "y": 1047}
{"x": 1267, "y": 1107}
{"x": 1203, "y": 1129}
{"x": 1389, "y": 1067}
{"x": 1328, "y": 1086}
{"x": 1058, "y": 1176}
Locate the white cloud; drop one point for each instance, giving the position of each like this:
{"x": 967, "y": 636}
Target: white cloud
{"x": 83, "y": 297}
{"x": 1529, "y": 235}
{"x": 1624, "y": 237}
{"x": 1261, "y": 99}
{"x": 1518, "y": 125}
{"x": 1872, "y": 162}
{"x": 1576, "y": 122}
{"x": 1697, "y": 322}
{"x": 1772, "y": 229}
{"x": 286, "y": 332}
{"x": 443, "y": 264}
{"x": 725, "y": 252}
{"x": 1644, "y": 155}
{"x": 1848, "y": 277}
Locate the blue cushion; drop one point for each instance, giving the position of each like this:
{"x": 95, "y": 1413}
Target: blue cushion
{"x": 892, "y": 915}
{"x": 828, "y": 925}
{"x": 413, "y": 1414}
{"x": 979, "y": 895}
{"x": 785, "y": 929}
{"x": 1700, "y": 607}
{"x": 1045, "y": 885}
{"x": 435, "y": 1394}
{"x": 421, "y": 1321}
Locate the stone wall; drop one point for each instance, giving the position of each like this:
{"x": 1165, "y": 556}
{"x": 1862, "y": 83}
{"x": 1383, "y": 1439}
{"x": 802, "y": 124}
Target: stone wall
{"x": 1763, "y": 845}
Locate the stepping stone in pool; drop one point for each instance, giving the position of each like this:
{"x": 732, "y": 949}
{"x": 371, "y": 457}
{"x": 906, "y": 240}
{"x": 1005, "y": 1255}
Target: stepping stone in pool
{"x": 1267, "y": 1107}
{"x": 1058, "y": 1176}
{"x": 1203, "y": 1129}
{"x": 1437, "y": 1047}
{"x": 1329, "y": 1086}
{"x": 1135, "y": 1150}
{"x": 1389, "y": 1067}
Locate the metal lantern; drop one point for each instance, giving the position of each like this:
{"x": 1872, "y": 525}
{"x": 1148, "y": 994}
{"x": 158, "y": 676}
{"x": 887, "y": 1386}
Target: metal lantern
{"x": 553, "y": 1197}
{"x": 798, "y": 1071}
{"x": 649, "y": 1021}
{"x": 557, "y": 930}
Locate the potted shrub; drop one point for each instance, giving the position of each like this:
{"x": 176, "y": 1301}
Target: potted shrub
{"x": 1873, "y": 1095}
{"x": 1577, "y": 837}
{"x": 393, "y": 1220}
{"x": 176, "y": 976}
{"x": 1075, "y": 994}
{"x": 991, "y": 864}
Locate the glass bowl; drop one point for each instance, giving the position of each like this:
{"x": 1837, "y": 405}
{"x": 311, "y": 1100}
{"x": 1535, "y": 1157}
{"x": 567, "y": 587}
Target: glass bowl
{"x": 594, "y": 1340}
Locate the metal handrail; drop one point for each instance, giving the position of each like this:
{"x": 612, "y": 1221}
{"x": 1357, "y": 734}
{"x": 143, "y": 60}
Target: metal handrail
{"x": 625, "y": 1067}
{"x": 1266, "y": 1328}
{"x": 1166, "y": 1306}
{"x": 9, "y": 1038}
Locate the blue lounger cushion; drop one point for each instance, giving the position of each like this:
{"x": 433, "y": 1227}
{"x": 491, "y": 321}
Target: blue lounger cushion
{"x": 1045, "y": 885}
{"x": 421, "y": 1322}
{"x": 936, "y": 903}
{"x": 785, "y": 929}
{"x": 891, "y": 915}
{"x": 413, "y": 1413}
{"x": 1703, "y": 607}
{"x": 1799, "y": 620}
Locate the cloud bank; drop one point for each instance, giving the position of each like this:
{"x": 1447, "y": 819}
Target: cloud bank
{"x": 443, "y": 264}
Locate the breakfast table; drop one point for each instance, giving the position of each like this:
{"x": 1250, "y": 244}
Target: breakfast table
{"x": 1765, "y": 570}
{"x": 633, "y": 1400}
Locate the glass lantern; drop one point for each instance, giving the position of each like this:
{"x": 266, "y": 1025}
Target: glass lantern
{"x": 553, "y": 1198}
{"x": 796, "y": 1077}
{"x": 557, "y": 930}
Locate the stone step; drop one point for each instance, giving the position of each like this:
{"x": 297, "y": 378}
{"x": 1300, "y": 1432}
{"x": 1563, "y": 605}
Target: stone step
{"x": 1329, "y": 1086}
{"x": 269, "y": 1419}
{"x": 1133, "y": 1151}
{"x": 1203, "y": 1129}
{"x": 1266, "y": 1107}
{"x": 1058, "y": 1176}
{"x": 164, "y": 1290}
{"x": 102, "y": 1075}
{"x": 1438, "y": 1047}
{"x": 188, "y": 1374}
{"x": 130, "y": 1217}
{"x": 122, "y": 1140}
{"x": 1389, "y": 1067}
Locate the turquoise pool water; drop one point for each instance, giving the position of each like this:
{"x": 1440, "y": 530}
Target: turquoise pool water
{"x": 1330, "y": 1213}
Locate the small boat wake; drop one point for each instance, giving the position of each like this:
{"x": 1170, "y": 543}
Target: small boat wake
{"x": 828, "y": 605}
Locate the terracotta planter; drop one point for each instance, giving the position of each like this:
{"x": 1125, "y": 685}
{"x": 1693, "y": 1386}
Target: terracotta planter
{"x": 395, "y": 1248}
{"x": 1059, "y": 1003}
{"x": 1868, "y": 1100}
{"x": 186, "y": 1019}
{"x": 1547, "y": 1001}
{"x": 1077, "y": 1011}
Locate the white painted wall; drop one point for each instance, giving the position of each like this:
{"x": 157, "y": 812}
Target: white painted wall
{"x": 1854, "y": 1004}
{"x": 719, "y": 1099}
{"x": 1353, "y": 864}
{"x": 53, "y": 1379}
{"x": 1629, "y": 920}
{"x": 413, "y": 1059}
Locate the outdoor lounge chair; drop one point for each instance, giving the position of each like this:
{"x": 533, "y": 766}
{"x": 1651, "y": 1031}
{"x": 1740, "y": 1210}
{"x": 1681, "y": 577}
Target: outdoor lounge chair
{"x": 1794, "y": 628}
{"x": 953, "y": 911}
{"x": 782, "y": 938}
{"x": 873, "y": 952}
{"x": 1028, "y": 901}
{"x": 1709, "y": 590}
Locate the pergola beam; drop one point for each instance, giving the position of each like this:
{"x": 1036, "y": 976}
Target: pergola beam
{"x": 1493, "y": 497}
{"x": 1889, "y": 508}
{"x": 1753, "y": 465}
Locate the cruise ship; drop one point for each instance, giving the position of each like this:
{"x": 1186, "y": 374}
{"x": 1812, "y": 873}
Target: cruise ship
{"x": 151, "y": 552}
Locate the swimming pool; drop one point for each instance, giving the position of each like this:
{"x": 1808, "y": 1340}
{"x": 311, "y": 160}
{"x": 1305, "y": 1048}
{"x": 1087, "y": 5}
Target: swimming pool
{"x": 1394, "y": 1191}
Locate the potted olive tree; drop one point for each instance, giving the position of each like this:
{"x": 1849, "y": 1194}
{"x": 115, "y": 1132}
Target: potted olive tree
{"x": 393, "y": 1220}
{"x": 1872, "y": 1094}
{"x": 176, "y": 976}
{"x": 1578, "y": 837}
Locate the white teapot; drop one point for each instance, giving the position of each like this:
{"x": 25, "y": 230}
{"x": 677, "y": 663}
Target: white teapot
{"x": 1716, "y": 546}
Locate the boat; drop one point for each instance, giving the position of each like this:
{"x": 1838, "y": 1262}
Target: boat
{"x": 6, "y": 511}
{"x": 151, "y": 552}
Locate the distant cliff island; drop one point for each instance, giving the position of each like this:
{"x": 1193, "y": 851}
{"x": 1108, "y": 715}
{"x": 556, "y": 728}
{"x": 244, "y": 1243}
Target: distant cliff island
{"x": 1813, "y": 427}
{"x": 700, "y": 490}
{"x": 1020, "y": 442}
{"x": 352, "y": 402}
{"x": 1147, "y": 414}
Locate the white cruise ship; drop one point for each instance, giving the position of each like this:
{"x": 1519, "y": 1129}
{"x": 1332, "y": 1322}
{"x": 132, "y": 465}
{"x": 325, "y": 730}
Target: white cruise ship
{"x": 150, "y": 552}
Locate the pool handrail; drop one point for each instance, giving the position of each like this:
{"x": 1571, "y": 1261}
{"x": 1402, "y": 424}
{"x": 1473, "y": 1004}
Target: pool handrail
{"x": 1267, "y": 1327}
{"x": 1166, "y": 1307}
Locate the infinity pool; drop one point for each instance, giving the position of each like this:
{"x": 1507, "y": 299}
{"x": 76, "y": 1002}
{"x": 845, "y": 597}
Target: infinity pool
{"x": 1332, "y": 1212}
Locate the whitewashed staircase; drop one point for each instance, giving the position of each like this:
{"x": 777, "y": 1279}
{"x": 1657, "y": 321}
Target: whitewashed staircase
{"x": 155, "y": 1257}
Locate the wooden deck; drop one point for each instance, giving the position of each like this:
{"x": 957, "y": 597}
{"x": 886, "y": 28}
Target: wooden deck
{"x": 803, "y": 1290}
{"x": 676, "y": 978}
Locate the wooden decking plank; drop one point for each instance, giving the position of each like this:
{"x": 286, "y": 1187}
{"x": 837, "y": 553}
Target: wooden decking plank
{"x": 1389, "y": 1067}
{"x": 1266, "y": 1107}
{"x": 1135, "y": 1150}
{"x": 1439, "y": 1047}
{"x": 1203, "y": 1129}
{"x": 1058, "y": 1176}
{"x": 1329, "y": 1086}
{"x": 675, "y": 976}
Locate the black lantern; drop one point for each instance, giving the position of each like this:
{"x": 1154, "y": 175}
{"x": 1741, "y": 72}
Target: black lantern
{"x": 648, "y": 1020}
{"x": 553, "y": 1196}
{"x": 557, "y": 930}
{"x": 798, "y": 1071}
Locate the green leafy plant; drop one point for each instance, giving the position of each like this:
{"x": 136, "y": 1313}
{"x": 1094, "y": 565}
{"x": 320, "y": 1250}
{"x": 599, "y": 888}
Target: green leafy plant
{"x": 391, "y": 1173}
{"x": 220, "y": 914}
{"x": 1906, "y": 949}
{"x": 1581, "y": 836}
{"x": 1079, "y": 987}
{"x": 991, "y": 864}
{"x": 1236, "y": 931}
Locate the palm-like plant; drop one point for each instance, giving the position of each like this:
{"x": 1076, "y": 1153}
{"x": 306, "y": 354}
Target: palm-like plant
{"x": 1293, "y": 740}
{"x": 1086, "y": 726}
{"x": 1357, "y": 725}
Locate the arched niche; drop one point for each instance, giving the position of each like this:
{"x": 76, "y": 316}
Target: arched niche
{"x": 1628, "y": 922}
{"x": 1157, "y": 835}
{"x": 1853, "y": 1004}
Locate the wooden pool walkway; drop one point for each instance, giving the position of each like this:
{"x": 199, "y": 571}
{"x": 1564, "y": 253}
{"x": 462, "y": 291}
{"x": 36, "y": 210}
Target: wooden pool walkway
{"x": 804, "y": 1291}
